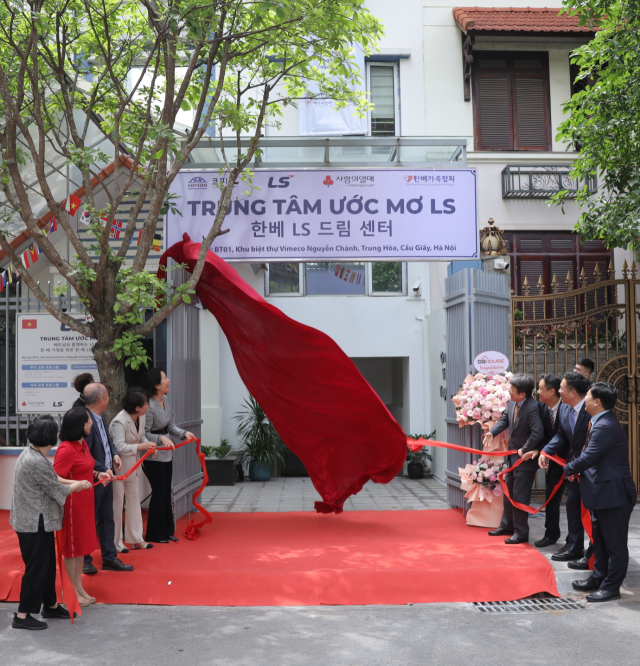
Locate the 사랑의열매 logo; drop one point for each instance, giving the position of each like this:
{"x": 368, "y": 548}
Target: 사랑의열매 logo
{"x": 197, "y": 183}
{"x": 327, "y": 181}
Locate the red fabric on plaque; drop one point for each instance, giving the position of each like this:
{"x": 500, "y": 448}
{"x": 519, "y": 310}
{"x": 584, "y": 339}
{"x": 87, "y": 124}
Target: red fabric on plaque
{"x": 318, "y": 401}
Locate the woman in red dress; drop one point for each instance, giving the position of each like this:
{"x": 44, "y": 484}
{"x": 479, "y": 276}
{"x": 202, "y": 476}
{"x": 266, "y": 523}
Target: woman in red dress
{"x": 74, "y": 462}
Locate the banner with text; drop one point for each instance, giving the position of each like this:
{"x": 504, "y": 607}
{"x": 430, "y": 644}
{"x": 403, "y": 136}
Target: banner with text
{"x": 49, "y": 356}
{"x": 319, "y": 215}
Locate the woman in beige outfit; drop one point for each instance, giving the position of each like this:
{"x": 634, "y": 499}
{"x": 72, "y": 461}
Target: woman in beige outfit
{"x": 127, "y": 430}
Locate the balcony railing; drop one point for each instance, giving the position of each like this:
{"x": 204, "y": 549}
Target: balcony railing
{"x": 541, "y": 181}
{"x": 323, "y": 152}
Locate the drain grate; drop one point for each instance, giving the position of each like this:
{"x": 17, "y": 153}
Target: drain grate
{"x": 527, "y": 605}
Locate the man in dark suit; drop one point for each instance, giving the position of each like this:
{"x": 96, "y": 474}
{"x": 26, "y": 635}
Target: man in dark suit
{"x": 522, "y": 418}
{"x": 105, "y": 454}
{"x": 608, "y": 491}
{"x": 549, "y": 405}
{"x": 567, "y": 443}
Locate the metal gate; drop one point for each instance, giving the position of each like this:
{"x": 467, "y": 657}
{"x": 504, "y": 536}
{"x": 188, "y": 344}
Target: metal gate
{"x": 597, "y": 319}
{"x": 478, "y": 306}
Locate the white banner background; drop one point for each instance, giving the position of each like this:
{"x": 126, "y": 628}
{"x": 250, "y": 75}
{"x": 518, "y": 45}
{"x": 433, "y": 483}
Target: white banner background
{"x": 49, "y": 356}
{"x": 318, "y": 117}
{"x": 314, "y": 215}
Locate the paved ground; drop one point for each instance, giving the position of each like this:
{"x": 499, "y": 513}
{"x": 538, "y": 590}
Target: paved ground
{"x": 449, "y": 634}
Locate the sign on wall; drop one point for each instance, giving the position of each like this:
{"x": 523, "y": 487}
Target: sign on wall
{"x": 324, "y": 215}
{"x": 49, "y": 356}
{"x": 491, "y": 363}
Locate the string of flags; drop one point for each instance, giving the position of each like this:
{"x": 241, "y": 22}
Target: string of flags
{"x": 71, "y": 206}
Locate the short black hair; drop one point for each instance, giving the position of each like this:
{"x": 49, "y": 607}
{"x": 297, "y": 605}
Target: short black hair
{"x": 576, "y": 381}
{"x": 82, "y": 381}
{"x": 152, "y": 377}
{"x": 43, "y": 431}
{"x": 588, "y": 364}
{"x": 606, "y": 393}
{"x": 73, "y": 421}
{"x": 134, "y": 397}
{"x": 552, "y": 381}
{"x": 522, "y": 383}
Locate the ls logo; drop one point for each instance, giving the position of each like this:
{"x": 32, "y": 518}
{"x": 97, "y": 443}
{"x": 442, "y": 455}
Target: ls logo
{"x": 283, "y": 180}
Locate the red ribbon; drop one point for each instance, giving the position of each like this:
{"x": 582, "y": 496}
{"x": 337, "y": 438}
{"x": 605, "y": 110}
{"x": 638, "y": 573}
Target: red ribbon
{"x": 585, "y": 515}
{"x": 191, "y": 532}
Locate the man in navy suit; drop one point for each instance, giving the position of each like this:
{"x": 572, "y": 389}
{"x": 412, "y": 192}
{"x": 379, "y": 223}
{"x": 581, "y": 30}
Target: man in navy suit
{"x": 526, "y": 432}
{"x": 567, "y": 443}
{"x": 608, "y": 491}
{"x": 549, "y": 405}
{"x": 105, "y": 454}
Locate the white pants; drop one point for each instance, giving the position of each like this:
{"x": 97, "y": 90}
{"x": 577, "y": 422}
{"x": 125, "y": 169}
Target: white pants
{"x": 133, "y": 520}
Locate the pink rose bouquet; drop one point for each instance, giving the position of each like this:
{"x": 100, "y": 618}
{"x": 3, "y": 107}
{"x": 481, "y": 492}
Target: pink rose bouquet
{"x": 482, "y": 399}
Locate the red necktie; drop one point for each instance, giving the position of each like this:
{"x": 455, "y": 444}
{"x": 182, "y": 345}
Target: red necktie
{"x": 588, "y": 433}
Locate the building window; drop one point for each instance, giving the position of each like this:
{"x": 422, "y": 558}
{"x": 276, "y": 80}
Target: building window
{"x": 284, "y": 279}
{"x": 338, "y": 278}
{"x": 382, "y": 88}
{"x": 511, "y": 101}
{"x": 538, "y": 255}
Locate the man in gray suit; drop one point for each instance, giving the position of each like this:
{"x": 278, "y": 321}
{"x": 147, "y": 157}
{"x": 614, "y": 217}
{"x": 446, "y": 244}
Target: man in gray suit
{"x": 522, "y": 418}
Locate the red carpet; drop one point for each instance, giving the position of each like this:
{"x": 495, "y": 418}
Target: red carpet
{"x": 308, "y": 559}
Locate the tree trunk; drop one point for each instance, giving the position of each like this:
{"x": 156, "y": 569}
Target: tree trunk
{"x": 111, "y": 372}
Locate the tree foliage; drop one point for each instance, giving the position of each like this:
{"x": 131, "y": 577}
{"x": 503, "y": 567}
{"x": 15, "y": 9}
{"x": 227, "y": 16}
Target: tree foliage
{"x": 604, "y": 122}
{"x": 132, "y": 66}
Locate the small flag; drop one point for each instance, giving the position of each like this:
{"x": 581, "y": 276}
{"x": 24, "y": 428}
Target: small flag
{"x": 116, "y": 228}
{"x": 72, "y": 204}
{"x": 29, "y": 323}
{"x": 85, "y": 218}
{"x": 25, "y": 259}
{"x": 156, "y": 244}
{"x": 33, "y": 254}
{"x": 10, "y": 273}
{"x": 139, "y": 236}
{"x": 54, "y": 224}
{"x": 3, "y": 281}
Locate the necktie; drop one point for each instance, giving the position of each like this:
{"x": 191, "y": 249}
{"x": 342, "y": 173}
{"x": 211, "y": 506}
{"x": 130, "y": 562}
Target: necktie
{"x": 553, "y": 421}
{"x": 515, "y": 413}
{"x": 572, "y": 419}
{"x": 586, "y": 441}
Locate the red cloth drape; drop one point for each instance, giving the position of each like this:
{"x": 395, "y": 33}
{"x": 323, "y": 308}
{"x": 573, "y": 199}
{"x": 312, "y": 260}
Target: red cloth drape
{"x": 321, "y": 406}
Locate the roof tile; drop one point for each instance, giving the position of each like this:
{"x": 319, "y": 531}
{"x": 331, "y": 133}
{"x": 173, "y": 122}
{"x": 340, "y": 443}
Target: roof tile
{"x": 517, "y": 19}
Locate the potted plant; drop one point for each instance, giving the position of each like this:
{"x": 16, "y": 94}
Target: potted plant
{"x": 261, "y": 447}
{"x": 417, "y": 457}
{"x": 221, "y": 468}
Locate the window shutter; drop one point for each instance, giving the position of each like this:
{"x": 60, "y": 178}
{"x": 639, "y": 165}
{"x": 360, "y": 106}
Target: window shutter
{"x": 494, "y": 113}
{"x": 531, "y": 132}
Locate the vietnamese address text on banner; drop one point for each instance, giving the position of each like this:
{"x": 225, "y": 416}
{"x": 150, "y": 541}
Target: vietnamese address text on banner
{"x": 315, "y": 215}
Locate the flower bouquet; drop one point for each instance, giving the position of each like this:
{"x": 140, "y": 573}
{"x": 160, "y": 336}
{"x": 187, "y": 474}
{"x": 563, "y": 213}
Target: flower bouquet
{"x": 483, "y": 399}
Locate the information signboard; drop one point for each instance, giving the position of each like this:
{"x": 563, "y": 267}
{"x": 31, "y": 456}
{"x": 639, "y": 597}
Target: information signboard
{"x": 49, "y": 355}
{"x": 323, "y": 215}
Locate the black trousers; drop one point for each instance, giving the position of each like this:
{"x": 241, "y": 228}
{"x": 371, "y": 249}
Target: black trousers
{"x": 105, "y": 525}
{"x": 610, "y": 549}
{"x": 552, "y": 510}
{"x": 39, "y": 581}
{"x": 160, "y": 523}
{"x": 574, "y": 518}
{"x": 516, "y": 520}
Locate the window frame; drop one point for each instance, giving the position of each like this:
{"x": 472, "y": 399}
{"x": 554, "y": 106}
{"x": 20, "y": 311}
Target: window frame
{"x": 368, "y": 283}
{"x": 396, "y": 93}
{"x": 510, "y": 56}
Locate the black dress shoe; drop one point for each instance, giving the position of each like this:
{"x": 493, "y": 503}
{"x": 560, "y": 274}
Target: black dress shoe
{"x": 158, "y": 540}
{"x": 116, "y": 565}
{"x": 567, "y": 556}
{"x": 543, "y": 543}
{"x": 28, "y": 623}
{"x": 499, "y": 532}
{"x": 172, "y": 538}
{"x": 516, "y": 539}
{"x": 586, "y": 585}
{"x": 89, "y": 569}
{"x": 59, "y": 612}
{"x": 604, "y": 595}
{"x": 579, "y": 565}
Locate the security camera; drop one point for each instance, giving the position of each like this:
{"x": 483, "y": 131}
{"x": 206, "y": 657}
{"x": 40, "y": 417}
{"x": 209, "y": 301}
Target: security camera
{"x": 417, "y": 288}
{"x": 501, "y": 264}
